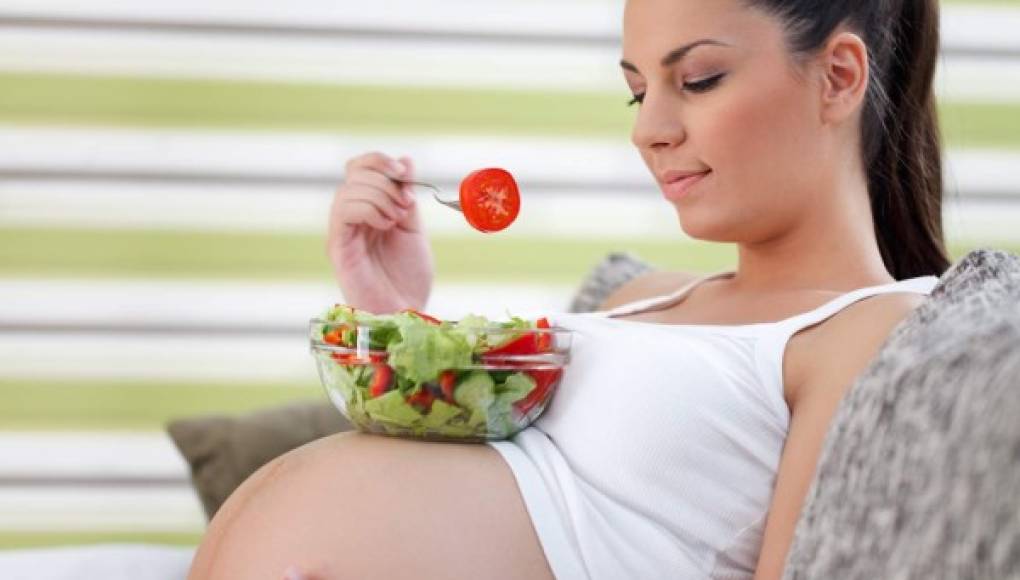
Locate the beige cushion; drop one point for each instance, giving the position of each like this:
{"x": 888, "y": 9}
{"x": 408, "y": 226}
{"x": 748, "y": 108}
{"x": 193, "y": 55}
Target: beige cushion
{"x": 223, "y": 451}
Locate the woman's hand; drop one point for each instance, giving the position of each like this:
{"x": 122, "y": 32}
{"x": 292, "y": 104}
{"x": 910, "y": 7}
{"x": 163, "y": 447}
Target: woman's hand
{"x": 376, "y": 243}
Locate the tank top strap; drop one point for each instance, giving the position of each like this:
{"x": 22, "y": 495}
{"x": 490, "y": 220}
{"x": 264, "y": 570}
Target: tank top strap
{"x": 792, "y": 325}
{"x": 661, "y": 301}
{"x": 775, "y": 336}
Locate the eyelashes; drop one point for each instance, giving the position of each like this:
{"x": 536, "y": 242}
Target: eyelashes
{"x": 701, "y": 86}
{"x": 704, "y": 84}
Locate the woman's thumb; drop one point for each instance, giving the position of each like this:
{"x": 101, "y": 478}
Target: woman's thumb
{"x": 408, "y": 163}
{"x": 407, "y": 175}
{"x": 294, "y": 573}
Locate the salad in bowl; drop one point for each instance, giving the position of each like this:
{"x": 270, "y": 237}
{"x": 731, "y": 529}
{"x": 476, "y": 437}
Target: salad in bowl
{"x": 412, "y": 375}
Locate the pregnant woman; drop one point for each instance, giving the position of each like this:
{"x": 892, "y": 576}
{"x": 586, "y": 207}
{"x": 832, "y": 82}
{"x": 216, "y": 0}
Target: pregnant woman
{"x": 686, "y": 432}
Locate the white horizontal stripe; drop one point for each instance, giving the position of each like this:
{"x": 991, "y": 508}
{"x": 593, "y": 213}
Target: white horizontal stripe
{"x": 984, "y": 223}
{"x": 969, "y": 25}
{"x": 89, "y": 454}
{"x": 98, "y": 509}
{"x": 563, "y": 17}
{"x": 975, "y": 80}
{"x": 980, "y": 25}
{"x": 251, "y": 153}
{"x": 265, "y": 360}
{"x": 304, "y": 211}
{"x": 390, "y": 62}
{"x": 250, "y": 304}
{"x": 982, "y": 171}
{"x": 374, "y": 61}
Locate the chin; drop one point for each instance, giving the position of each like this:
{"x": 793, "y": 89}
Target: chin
{"x": 707, "y": 230}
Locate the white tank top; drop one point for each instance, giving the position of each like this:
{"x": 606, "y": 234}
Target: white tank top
{"x": 661, "y": 446}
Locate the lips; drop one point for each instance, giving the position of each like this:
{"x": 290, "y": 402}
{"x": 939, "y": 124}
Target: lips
{"x": 674, "y": 175}
{"x": 677, "y": 184}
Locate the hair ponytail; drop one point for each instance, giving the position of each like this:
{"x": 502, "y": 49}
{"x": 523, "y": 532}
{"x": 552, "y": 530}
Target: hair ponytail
{"x": 901, "y": 142}
{"x": 905, "y": 165}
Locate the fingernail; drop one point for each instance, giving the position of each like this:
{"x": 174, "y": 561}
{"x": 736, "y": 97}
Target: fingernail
{"x": 398, "y": 168}
{"x": 293, "y": 573}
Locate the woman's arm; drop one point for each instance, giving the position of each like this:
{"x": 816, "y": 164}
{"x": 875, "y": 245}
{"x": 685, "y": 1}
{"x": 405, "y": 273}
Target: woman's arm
{"x": 846, "y": 345}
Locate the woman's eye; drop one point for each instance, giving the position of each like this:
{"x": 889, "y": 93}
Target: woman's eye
{"x": 704, "y": 84}
{"x": 701, "y": 86}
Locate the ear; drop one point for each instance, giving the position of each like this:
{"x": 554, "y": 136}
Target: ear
{"x": 845, "y": 76}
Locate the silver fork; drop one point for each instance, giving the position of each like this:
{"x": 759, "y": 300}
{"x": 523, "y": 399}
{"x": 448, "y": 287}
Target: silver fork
{"x": 435, "y": 192}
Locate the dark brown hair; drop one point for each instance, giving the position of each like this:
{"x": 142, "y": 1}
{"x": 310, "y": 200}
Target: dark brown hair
{"x": 901, "y": 142}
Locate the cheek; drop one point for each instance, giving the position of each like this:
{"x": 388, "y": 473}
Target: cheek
{"x": 758, "y": 140}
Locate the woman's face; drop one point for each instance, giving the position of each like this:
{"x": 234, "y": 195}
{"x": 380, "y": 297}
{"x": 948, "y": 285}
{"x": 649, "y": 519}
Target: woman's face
{"x": 733, "y": 104}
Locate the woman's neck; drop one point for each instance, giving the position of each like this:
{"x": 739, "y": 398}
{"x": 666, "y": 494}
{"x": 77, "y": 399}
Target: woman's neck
{"x": 833, "y": 249}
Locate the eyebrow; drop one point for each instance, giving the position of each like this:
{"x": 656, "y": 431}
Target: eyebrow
{"x": 677, "y": 54}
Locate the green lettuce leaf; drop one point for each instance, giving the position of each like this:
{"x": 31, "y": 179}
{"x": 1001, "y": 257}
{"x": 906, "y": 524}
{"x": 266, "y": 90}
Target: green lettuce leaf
{"x": 472, "y": 327}
{"x": 516, "y": 387}
{"x": 517, "y": 322}
{"x": 422, "y": 350}
{"x": 392, "y": 408}
{"x": 476, "y": 392}
{"x": 441, "y": 414}
{"x": 383, "y": 326}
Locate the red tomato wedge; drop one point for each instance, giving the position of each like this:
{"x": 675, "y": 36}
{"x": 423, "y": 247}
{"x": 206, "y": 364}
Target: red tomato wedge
{"x": 447, "y": 381}
{"x": 490, "y": 199}
{"x": 382, "y": 380}
{"x": 527, "y": 343}
{"x": 524, "y": 344}
{"x": 423, "y": 316}
{"x": 422, "y": 399}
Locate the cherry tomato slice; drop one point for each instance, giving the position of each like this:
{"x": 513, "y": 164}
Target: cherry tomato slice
{"x": 490, "y": 199}
{"x": 527, "y": 343}
{"x": 544, "y": 339}
{"x": 382, "y": 380}
{"x": 447, "y": 381}
{"x": 423, "y": 399}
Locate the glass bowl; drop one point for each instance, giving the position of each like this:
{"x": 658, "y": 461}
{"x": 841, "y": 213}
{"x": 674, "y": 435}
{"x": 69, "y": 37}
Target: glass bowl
{"x": 509, "y": 380}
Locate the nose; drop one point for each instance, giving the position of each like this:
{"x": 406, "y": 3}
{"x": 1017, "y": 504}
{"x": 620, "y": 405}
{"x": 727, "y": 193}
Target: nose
{"x": 659, "y": 124}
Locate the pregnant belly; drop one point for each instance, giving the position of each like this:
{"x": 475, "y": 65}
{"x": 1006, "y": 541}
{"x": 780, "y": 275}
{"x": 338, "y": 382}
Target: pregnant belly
{"x": 362, "y": 506}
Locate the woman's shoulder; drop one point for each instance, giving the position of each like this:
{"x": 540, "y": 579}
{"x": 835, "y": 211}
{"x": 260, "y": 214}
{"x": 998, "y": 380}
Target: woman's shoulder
{"x": 647, "y": 285}
{"x": 845, "y": 344}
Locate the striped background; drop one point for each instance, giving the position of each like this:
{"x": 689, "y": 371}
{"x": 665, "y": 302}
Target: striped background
{"x": 166, "y": 170}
